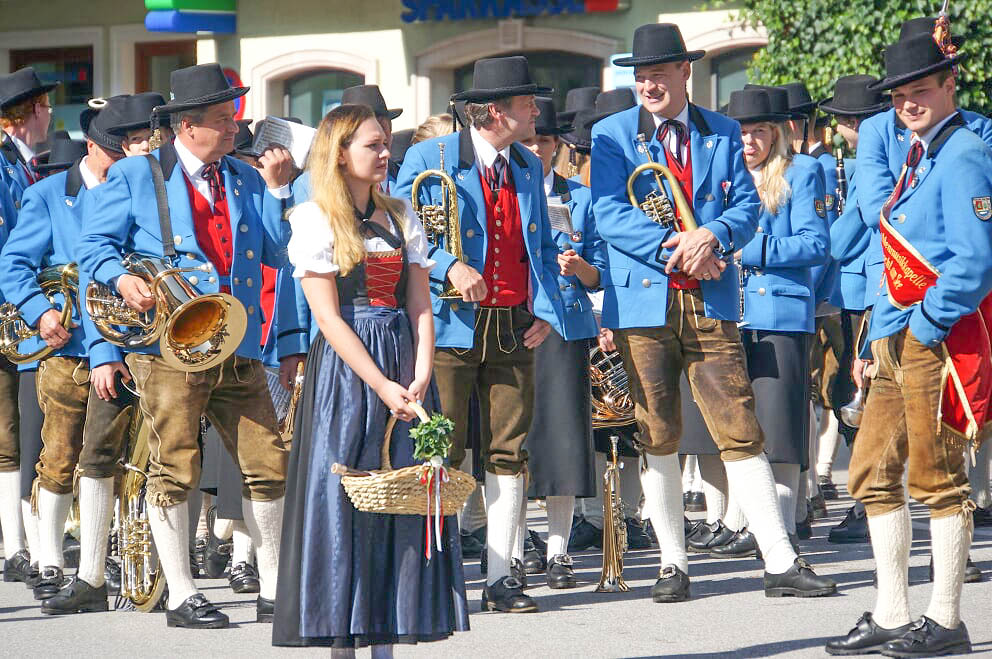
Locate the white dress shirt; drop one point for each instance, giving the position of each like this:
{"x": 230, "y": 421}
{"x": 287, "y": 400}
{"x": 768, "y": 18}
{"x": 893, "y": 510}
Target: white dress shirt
{"x": 26, "y": 152}
{"x": 670, "y": 139}
{"x": 90, "y": 179}
{"x": 549, "y": 184}
{"x": 485, "y": 153}
{"x": 193, "y": 168}
{"x": 928, "y": 136}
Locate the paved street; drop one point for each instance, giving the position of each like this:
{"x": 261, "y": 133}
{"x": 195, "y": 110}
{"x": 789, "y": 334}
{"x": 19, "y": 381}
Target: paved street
{"x": 727, "y": 616}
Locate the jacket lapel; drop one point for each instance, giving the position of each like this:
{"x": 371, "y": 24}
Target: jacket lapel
{"x": 522, "y": 182}
{"x": 471, "y": 203}
{"x": 180, "y": 205}
{"x": 702, "y": 144}
{"x": 232, "y": 189}
{"x": 926, "y": 163}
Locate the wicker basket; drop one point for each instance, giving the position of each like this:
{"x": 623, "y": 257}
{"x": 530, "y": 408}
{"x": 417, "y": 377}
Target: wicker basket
{"x": 399, "y": 491}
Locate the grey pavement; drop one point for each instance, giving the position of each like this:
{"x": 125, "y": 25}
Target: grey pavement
{"x": 728, "y": 615}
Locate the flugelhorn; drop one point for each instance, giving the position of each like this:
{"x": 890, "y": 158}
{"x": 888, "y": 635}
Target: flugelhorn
{"x": 194, "y": 332}
{"x": 657, "y": 205}
{"x": 441, "y": 221}
{"x": 14, "y": 330}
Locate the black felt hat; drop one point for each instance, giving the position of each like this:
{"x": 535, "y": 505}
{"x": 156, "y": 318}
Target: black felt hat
{"x": 199, "y": 86}
{"x": 852, "y": 97}
{"x": 244, "y": 139}
{"x": 101, "y": 121}
{"x": 580, "y": 137}
{"x": 401, "y": 142}
{"x": 749, "y": 106}
{"x": 611, "y": 102}
{"x": 371, "y": 96}
{"x": 500, "y": 77}
{"x": 924, "y": 25}
{"x": 800, "y": 101}
{"x": 65, "y": 152}
{"x": 777, "y": 97}
{"x": 22, "y": 85}
{"x": 656, "y": 43}
{"x": 575, "y": 100}
{"x": 548, "y": 122}
{"x": 911, "y": 59}
{"x": 136, "y": 112}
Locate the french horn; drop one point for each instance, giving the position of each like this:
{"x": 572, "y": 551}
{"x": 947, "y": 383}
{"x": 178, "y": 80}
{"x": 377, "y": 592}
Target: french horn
{"x": 611, "y": 403}
{"x": 54, "y": 280}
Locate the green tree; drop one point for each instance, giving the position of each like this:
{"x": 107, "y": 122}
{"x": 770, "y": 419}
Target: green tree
{"x": 817, "y": 41}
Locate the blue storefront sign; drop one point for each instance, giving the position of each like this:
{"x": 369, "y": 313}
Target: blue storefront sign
{"x": 460, "y": 10}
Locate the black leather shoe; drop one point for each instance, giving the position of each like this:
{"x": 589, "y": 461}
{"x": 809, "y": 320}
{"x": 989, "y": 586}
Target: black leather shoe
{"x": 535, "y": 561}
{"x": 707, "y": 536}
{"x": 560, "y": 573}
{"x": 866, "y": 637}
{"x": 518, "y": 572}
{"x": 538, "y": 542}
{"x": 827, "y": 488}
{"x": 507, "y": 595}
{"x": 199, "y": 550}
{"x": 77, "y": 597}
{"x": 637, "y": 537}
{"x": 34, "y": 576}
{"x": 798, "y": 581}
{"x": 819, "y": 506}
{"x": 743, "y": 545}
{"x": 112, "y": 576}
{"x": 265, "y": 610}
{"x": 474, "y": 543}
{"x": 196, "y": 613}
{"x": 794, "y": 541}
{"x": 583, "y": 536}
{"x": 804, "y": 529}
{"x": 244, "y": 578}
{"x": 695, "y": 502}
{"x": 216, "y": 556}
{"x": 983, "y": 516}
{"x": 70, "y": 551}
{"x": 972, "y": 573}
{"x": 926, "y": 638}
{"x": 672, "y": 586}
{"x": 17, "y": 567}
{"x": 852, "y": 530}
{"x": 50, "y": 582}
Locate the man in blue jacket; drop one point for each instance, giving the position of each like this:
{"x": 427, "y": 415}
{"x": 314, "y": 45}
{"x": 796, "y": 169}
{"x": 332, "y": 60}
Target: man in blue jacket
{"x": 226, "y": 224}
{"x": 510, "y": 301}
{"x": 675, "y": 302}
{"x": 25, "y": 114}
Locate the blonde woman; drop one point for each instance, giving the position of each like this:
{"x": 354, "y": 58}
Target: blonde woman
{"x": 437, "y": 125}
{"x": 347, "y": 578}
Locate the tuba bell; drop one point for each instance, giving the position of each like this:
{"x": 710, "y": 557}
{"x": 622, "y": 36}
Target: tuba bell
{"x": 194, "y": 332}
{"x": 14, "y": 330}
{"x": 611, "y": 402}
{"x": 441, "y": 221}
{"x": 657, "y": 205}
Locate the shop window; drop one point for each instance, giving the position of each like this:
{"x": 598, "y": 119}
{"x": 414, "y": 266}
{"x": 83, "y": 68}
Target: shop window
{"x": 73, "y": 68}
{"x": 313, "y": 94}
{"x": 155, "y": 61}
{"x": 729, "y": 73}
{"x": 550, "y": 68}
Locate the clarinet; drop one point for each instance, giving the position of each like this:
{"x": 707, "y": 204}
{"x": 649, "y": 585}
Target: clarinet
{"x": 841, "y": 173}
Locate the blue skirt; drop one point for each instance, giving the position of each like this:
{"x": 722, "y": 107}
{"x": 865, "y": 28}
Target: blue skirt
{"x": 347, "y": 578}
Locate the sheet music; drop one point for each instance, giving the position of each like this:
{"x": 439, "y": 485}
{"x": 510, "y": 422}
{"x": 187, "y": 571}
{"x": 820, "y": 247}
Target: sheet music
{"x": 296, "y": 138}
{"x": 561, "y": 218}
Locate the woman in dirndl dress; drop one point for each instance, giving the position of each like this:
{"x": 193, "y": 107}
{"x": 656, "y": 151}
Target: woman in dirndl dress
{"x": 347, "y": 578}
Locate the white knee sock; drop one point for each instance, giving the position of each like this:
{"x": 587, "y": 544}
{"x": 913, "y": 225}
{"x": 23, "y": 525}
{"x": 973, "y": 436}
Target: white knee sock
{"x": 560, "y": 511}
{"x": 521, "y": 529}
{"x": 786, "y": 487}
{"x": 223, "y": 528}
{"x": 690, "y": 474}
{"x": 978, "y": 475}
{"x": 734, "y": 518}
{"x": 31, "y": 532}
{"x": 193, "y": 501}
{"x": 96, "y": 508}
{"x": 891, "y": 536}
{"x": 264, "y": 522}
{"x": 714, "y": 478}
{"x": 503, "y": 496}
{"x": 950, "y": 539}
{"x": 662, "y": 485}
{"x": 382, "y": 652}
{"x": 342, "y": 653}
{"x": 10, "y": 512}
{"x": 751, "y": 483}
{"x": 53, "y": 510}
{"x": 170, "y": 529}
{"x": 201, "y": 524}
{"x": 472, "y": 516}
{"x": 829, "y": 442}
{"x": 241, "y": 553}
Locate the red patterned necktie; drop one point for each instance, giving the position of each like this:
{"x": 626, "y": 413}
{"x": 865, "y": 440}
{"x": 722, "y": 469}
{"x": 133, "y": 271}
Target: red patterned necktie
{"x": 496, "y": 175}
{"x": 681, "y": 137}
{"x": 211, "y": 173}
{"x": 913, "y": 159}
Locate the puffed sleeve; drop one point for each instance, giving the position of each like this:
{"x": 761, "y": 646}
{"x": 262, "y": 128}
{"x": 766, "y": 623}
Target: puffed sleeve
{"x": 311, "y": 247}
{"x": 417, "y": 246}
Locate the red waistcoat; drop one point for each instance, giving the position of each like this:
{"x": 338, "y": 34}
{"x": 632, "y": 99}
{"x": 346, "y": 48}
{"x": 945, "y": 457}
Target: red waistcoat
{"x": 212, "y": 228}
{"x": 268, "y": 299}
{"x": 506, "y": 271}
{"x": 683, "y": 173}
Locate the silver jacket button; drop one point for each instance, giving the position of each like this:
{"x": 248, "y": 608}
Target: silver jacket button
{"x": 646, "y": 283}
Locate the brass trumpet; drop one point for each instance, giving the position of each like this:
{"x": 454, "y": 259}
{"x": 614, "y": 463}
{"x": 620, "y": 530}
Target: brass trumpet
{"x": 14, "y": 330}
{"x": 657, "y": 205}
{"x": 614, "y": 527}
{"x": 195, "y": 332}
{"x": 441, "y": 221}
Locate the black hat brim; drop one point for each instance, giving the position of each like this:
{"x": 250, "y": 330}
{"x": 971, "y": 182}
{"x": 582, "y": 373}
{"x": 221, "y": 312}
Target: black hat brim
{"x": 393, "y": 113}
{"x": 889, "y": 83}
{"x": 567, "y": 117}
{"x": 559, "y": 130}
{"x": 484, "y": 95}
{"x": 803, "y": 111}
{"x": 772, "y": 117}
{"x": 688, "y": 56}
{"x": 210, "y": 99}
{"x": 599, "y": 116}
{"x": 48, "y": 167}
{"x": 580, "y": 145}
{"x": 124, "y": 129}
{"x": 25, "y": 95}
{"x": 825, "y": 106}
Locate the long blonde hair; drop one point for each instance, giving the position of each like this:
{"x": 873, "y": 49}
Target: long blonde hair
{"x": 330, "y": 191}
{"x": 437, "y": 125}
{"x": 773, "y": 189}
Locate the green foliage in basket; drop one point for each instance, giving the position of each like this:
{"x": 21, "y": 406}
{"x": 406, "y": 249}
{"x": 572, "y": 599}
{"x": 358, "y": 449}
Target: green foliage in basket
{"x": 432, "y": 438}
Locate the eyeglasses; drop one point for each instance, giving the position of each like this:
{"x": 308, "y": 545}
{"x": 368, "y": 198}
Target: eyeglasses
{"x": 46, "y": 106}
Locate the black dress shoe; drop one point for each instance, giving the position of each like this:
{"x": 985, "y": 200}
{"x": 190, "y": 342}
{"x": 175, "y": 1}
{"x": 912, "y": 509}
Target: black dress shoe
{"x": 244, "y": 578}
{"x": 535, "y": 560}
{"x": 707, "y": 536}
{"x": 819, "y": 506}
{"x": 983, "y": 516}
{"x": 518, "y": 572}
{"x": 672, "y": 586}
{"x": 743, "y": 545}
{"x": 216, "y": 556}
{"x": 474, "y": 543}
{"x": 804, "y": 529}
{"x": 265, "y": 610}
{"x": 538, "y": 542}
{"x": 794, "y": 541}
{"x": 199, "y": 550}
{"x": 196, "y": 613}
{"x": 695, "y": 502}
{"x": 560, "y": 573}
{"x": 798, "y": 581}
{"x": 507, "y": 595}
{"x": 34, "y": 576}
{"x": 77, "y": 597}
{"x": 866, "y": 637}
{"x": 827, "y": 488}
{"x": 926, "y": 638}
{"x": 637, "y": 537}
{"x": 70, "y": 551}
{"x": 112, "y": 576}
{"x": 17, "y": 567}
{"x": 852, "y": 530}
{"x": 583, "y": 536}
{"x": 972, "y": 573}
{"x": 50, "y": 582}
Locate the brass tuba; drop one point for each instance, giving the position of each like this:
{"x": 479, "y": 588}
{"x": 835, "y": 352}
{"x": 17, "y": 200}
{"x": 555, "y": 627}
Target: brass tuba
{"x": 611, "y": 402}
{"x": 53, "y": 280}
{"x": 441, "y": 221}
{"x": 614, "y": 527}
{"x": 656, "y": 205}
{"x": 195, "y": 332}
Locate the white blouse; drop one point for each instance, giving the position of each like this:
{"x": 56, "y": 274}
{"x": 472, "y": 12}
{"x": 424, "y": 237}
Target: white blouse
{"x": 311, "y": 248}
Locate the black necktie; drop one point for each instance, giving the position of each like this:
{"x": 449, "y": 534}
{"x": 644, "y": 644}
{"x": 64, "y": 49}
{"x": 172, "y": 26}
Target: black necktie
{"x": 211, "y": 173}
{"x": 681, "y": 138}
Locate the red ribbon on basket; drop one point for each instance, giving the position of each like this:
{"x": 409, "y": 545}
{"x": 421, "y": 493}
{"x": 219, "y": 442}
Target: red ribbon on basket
{"x": 433, "y": 476}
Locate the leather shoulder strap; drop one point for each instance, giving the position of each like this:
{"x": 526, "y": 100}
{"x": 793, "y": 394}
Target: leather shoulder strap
{"x": 162, "y": 201}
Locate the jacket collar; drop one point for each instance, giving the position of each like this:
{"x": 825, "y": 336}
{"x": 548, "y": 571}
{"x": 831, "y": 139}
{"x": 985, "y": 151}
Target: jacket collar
{"x": 10, "y": 150}
{"x": 645, "y": 121}
{"x": 818, "y": 151}
{"x": 952, "y": 124}
{"x": 466, "y": 152}
{"x": 560, "y": 187}
{"x": 74, "y": 180}
{"x": 169, "y": 158}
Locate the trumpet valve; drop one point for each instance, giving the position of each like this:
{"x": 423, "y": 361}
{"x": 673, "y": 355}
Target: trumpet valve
{"x": 658, "y": 209}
